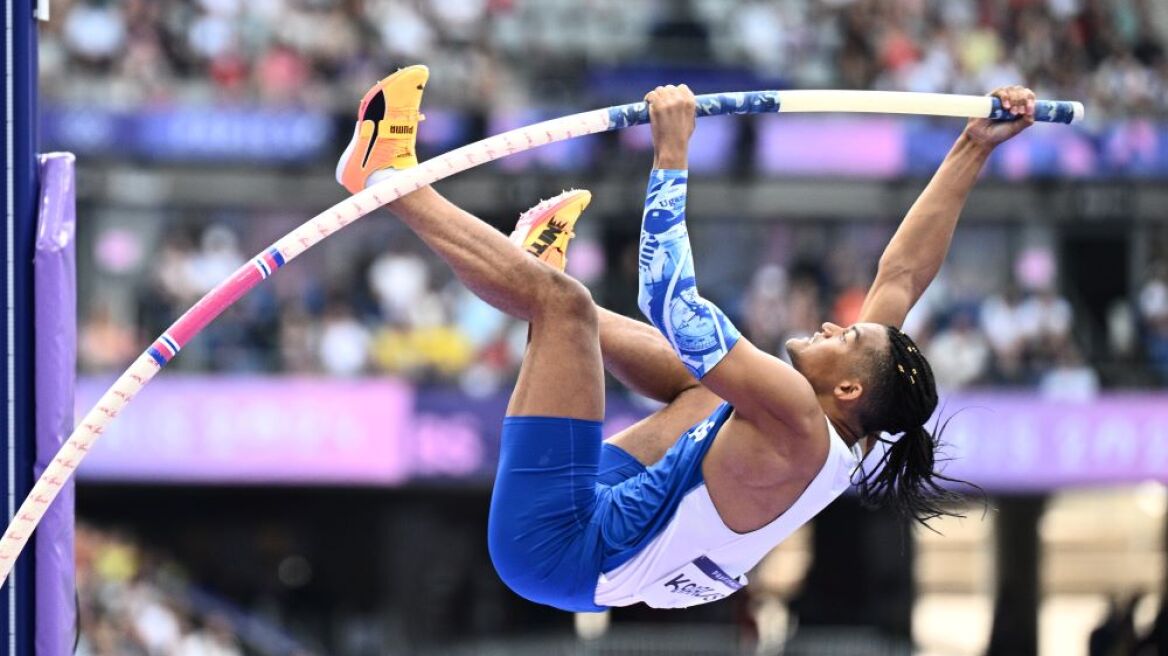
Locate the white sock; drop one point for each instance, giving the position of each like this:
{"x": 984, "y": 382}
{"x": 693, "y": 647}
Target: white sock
{"x": 379, "y": 176}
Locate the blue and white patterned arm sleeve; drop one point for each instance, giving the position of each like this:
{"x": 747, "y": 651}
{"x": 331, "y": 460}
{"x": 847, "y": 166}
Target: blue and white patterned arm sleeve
{"x": 699, "y": 332}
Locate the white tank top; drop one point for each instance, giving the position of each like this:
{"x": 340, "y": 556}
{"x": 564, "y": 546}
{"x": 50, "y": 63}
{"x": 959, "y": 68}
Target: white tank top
{"x": 697, "y": 559}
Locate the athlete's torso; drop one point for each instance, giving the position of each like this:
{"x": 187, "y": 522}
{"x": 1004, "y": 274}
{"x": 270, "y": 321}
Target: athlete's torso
{"x": 698, "y": 555}
{"x": 753, "y": 474}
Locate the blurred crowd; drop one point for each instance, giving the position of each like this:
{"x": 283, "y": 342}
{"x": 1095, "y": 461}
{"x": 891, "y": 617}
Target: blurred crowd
{"x": 1007, "y": 339}
{"x": 397, "y": 310}
{"x": 980, "y": 329}
{"x": 492, "y": 53}
{"x": 128, "y": 604}
{"x": 388, "y": 310}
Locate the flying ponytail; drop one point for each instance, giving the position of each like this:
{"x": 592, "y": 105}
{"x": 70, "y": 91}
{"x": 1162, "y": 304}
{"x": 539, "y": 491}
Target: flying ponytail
{"x": 906, "y": 476}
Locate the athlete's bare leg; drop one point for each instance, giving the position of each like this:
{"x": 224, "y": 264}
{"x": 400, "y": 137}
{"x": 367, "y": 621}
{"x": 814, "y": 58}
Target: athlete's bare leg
{"x": 562, "y": 374}
{"x": 649, "y": 439}
{"x": 507, "y": 278}
{"x": 640, "y": 358}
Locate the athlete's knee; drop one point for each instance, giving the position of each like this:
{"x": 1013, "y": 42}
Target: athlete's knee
{"x": 567, "y": 298}
{"x": 515, "y": 560}
{"x": 541, "y": 563}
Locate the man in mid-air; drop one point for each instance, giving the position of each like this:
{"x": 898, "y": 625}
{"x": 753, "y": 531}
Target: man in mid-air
{"x": 673, "y": 511}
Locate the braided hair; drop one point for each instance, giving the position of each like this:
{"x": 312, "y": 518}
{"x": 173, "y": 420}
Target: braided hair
{"x": 902, "y": 397}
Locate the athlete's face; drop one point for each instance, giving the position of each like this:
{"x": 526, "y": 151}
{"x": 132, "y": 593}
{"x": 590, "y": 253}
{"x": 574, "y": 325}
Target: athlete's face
{"x": 834, "y": 353}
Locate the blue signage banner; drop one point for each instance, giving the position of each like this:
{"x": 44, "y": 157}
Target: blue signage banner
{"x": 189, "y": 134}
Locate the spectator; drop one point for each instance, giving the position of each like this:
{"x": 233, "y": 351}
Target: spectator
{"x": 217, "y": 258}
{"x": 766, "y": 318}
{"x": 105, "y": 342}
{"x": 154, "y": 622}
{"x": 95, "y": 33}
{"x": 344, "y": 342}
{"x": 215, "y": 638}
{"x": 400, "y": 281}
{"x": 1071, "y": 378}
{"x": 1045, "y": 316}
{"x": 960, "y": 354}
{"x": 298, "y": 342}
{"x": 1004, "y": 324}
{"x": 1153, "y": 304}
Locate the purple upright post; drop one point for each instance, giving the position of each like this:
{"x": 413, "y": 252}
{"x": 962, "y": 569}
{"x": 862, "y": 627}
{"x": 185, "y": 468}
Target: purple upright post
{"x": 55, "y": 289}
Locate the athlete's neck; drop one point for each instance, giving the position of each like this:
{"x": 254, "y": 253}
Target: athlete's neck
{"x": 847, "y": 432}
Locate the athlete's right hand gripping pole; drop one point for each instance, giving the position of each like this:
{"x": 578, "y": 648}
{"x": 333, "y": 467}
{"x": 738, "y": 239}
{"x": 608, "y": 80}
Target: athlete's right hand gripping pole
{"x": 699, "y": 332}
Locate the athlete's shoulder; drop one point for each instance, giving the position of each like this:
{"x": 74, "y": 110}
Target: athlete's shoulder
{"x": 763, "y": 388}
{"x": 796, "y": 416}
{"x": 792, "y": 415}
{"x": 780, "y": 450}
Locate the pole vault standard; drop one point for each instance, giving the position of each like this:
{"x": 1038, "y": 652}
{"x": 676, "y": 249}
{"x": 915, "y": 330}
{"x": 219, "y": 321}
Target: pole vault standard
{"x": 312, "y": 232}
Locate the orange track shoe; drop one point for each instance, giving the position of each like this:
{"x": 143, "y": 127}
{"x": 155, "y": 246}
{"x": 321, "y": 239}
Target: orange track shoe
{"x": 545, "y": 230}
{"x": 387, "y": 126}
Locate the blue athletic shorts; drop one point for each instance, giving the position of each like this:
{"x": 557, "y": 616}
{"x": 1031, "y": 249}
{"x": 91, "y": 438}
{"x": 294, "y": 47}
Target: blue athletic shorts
{"x": 567, "y": 507}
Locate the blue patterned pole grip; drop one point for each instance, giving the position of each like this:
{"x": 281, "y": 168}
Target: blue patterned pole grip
{"x": 713, "y": 104}
{"x": 1045, "y": 111}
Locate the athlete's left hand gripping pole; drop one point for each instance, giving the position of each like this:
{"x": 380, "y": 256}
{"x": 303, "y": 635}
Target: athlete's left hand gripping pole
{"x": 167, "y": 346}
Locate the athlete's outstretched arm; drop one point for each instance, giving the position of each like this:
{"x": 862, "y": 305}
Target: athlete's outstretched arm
{"x": 916, "y": 251}
{"x": 761, "y": 387}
